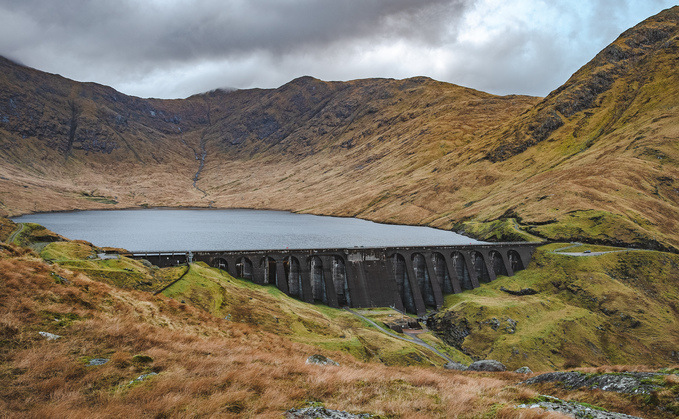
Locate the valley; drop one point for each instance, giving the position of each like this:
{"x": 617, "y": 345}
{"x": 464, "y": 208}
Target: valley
{"x": 594, "y": 161}
{"x": 591, "y": 169}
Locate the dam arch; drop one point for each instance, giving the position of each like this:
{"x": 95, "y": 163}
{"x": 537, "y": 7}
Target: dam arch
{"x": 219, "y": 263}
{"x": 293, "y": 275}
{"x": 497, "y": 262}
{"x": 412, "y": 279}
{"x": 267, "y": 266}
{"x": 244, "y": 268}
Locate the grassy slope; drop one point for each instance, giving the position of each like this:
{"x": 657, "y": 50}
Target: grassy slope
{"x": 206, "y": 365}
{"x": 619, "y": 308}
{"x": 217, "y": 293}
{"x": 251, "y": 364}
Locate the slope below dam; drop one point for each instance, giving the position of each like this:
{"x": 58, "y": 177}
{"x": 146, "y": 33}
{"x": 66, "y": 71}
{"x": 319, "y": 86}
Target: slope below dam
{"x": 410, "y": 279}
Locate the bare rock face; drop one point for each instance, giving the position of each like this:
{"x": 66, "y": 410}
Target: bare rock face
{"x": 489, "y": 365}
{"x": 451, "y": 327}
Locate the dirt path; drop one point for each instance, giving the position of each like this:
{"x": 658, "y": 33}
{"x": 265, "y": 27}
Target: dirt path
{"x": 560, "y": 251}
{"x": 415, "y": 339}
{"x": 13, "y": 236}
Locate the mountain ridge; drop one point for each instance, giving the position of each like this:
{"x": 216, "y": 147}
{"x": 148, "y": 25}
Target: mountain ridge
{"x": 593, "y": 161}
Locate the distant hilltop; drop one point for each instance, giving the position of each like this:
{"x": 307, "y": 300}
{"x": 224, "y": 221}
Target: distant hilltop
{"x": 596, "y": 160}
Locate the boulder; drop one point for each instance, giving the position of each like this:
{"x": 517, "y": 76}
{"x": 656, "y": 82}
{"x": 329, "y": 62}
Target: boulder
{"x": 489, "y": 365}
{"x": 524, "y": 370}
{"x": 97, "y": 361}
{"x": 455, "y": 366}
{"x": 49, "y": 336}
{"x": 320, "y": 360}
{"x": 143, "y": 377}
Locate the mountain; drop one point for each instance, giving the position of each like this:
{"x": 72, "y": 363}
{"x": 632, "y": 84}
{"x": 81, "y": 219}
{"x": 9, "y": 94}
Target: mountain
{"x": 596, "y": 160}
{"x": 74, "y": 144}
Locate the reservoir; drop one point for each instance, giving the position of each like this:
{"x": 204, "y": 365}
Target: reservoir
{"x": 161, "y": 230}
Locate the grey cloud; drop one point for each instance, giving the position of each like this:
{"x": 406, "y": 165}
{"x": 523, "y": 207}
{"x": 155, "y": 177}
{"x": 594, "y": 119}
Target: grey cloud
{"x": 174, "y": 48}
{"x": 115, "y": 42}
{"x": 216, "y": 29}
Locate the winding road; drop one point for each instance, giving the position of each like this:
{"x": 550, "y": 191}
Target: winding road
{"x": 13, "y": 236}
{"x": 415, "y": 339}
{"x": 580, "y": 254}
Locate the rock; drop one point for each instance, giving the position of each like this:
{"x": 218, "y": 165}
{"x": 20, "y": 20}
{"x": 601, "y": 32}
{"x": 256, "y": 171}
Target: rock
{"x": 524, "y": 370}
{"x": 97, "y": 361}
{"x": 322, "y": 413}
{"x": 59, "y": 279}
{"x": 143, "y": 377}
{"x": 521, "y": 292}
{"x": 489, "y": 365}
{"x": 49, "y": 336}
{"x": 455, "y": 366}
{"x": 451, "y": 327}
{"x": 320, "y": 360}
{"x": 494, "y": 323}
{"x": 626, "y": 382}
{"x": 573, "y": 409}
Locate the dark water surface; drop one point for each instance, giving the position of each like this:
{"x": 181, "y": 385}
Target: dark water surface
{"x": 232, "y": 229}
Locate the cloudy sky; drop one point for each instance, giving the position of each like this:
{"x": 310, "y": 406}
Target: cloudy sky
{"x": 175, "y": 48}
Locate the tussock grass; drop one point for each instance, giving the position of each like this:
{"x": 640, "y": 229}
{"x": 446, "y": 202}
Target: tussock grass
{"x": 205, "y": 365}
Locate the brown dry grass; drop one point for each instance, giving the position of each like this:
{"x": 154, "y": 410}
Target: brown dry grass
{"x": 206, "y": 366}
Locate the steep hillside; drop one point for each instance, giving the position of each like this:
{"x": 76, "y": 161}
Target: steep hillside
{"x": 212, "y": 345}
{"x": 73, "y": 145}
{"x": 125, "y": 353}
{"x": 594, "y": 161}
{"x": 598, "y": 158}
{"x": 587, "y": 311}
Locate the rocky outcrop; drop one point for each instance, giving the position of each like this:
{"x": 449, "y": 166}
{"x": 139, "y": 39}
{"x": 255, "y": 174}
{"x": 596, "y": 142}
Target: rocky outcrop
{"x": 521, "y": 292}
{"x": 489, "y": 365}
{"x": 574, "y": 409}
{"x": 320, "y": 360}
{"x": 451, "y": 327}
{"x": 455, "y": 366}
{"x": 626, "y": 382}
{"x": 322, "y": 413}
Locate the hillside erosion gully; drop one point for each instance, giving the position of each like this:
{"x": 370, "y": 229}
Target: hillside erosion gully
{"x": 411, "y": 279}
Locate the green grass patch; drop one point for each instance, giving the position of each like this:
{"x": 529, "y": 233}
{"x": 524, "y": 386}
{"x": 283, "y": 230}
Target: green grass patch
{"x": 601, "y": 227}
{"x": 506, "y": 230}
{"x": 239, "y": 300}
{"x": 122, "y": 272}
{"x": 33, "y": 234}
{"x": 65, "y": 251}
{"x": 618, "y": 308}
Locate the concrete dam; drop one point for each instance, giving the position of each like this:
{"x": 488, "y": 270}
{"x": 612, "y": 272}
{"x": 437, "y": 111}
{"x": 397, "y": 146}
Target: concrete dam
{"x": 410, "y": 279}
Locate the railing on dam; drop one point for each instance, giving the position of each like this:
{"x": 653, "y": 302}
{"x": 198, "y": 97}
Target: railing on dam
{"x": 407, "y": 278}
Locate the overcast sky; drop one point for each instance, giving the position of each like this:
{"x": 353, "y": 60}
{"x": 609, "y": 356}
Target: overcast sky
{"x": 176, "y": 48}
